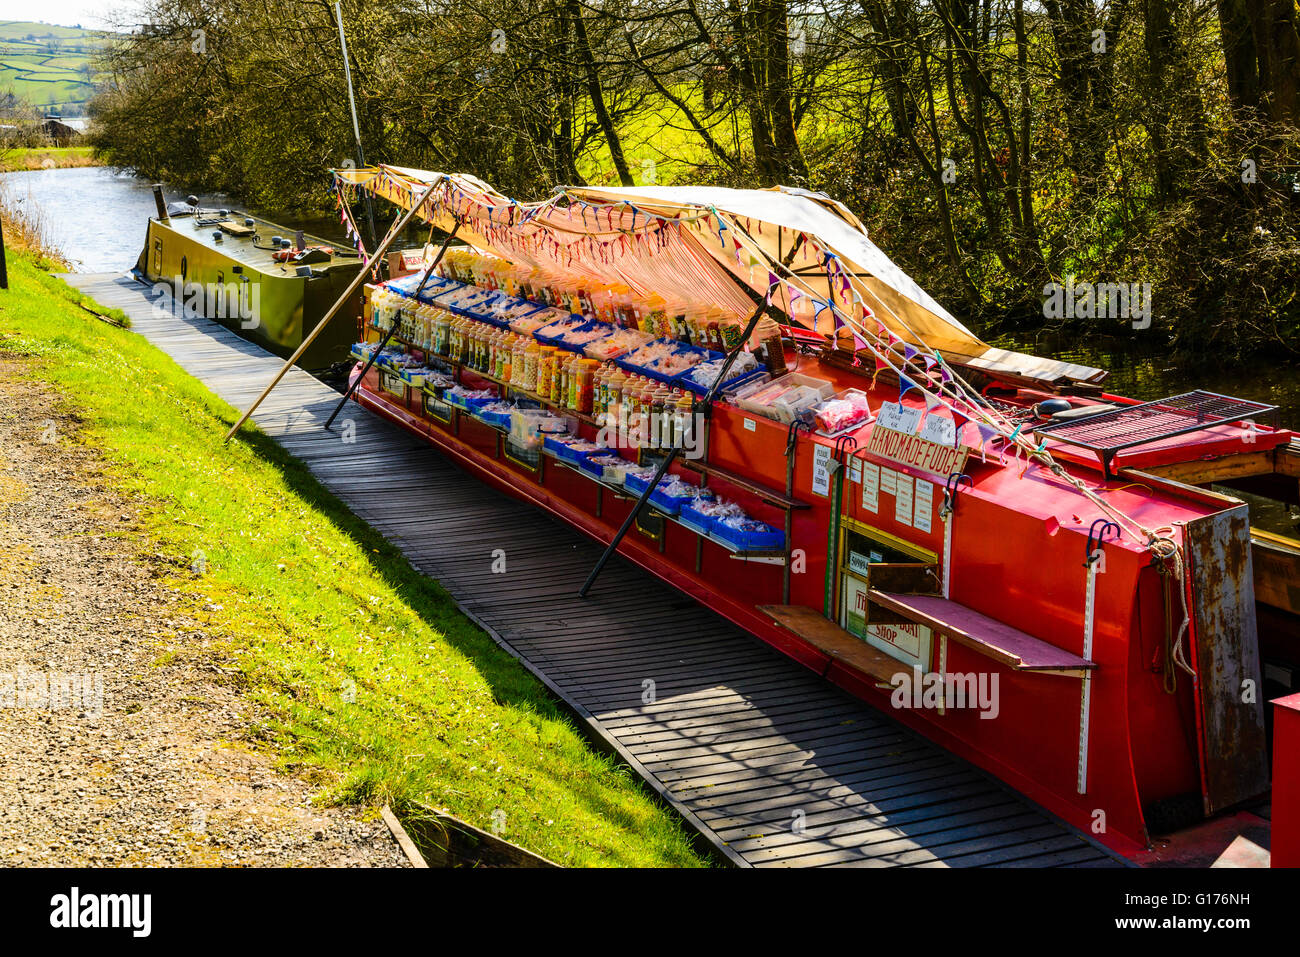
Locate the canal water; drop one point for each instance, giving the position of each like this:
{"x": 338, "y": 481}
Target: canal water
{"x": 97, "y": 216}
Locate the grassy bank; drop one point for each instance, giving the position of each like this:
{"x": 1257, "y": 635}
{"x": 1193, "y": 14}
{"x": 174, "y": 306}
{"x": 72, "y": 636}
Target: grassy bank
{"x": 46, "y": 157}
{"x": 372, "y": 681}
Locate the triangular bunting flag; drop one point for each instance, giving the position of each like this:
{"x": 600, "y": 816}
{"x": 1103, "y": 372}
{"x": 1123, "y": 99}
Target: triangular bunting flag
{"x": 959, "y": 421}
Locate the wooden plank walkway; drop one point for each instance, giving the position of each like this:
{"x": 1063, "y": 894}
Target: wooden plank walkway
{"x": 772, "y": 764}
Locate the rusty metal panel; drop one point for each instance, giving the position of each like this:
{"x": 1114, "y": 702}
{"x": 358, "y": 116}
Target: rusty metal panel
{"x": 1227, "y": 654}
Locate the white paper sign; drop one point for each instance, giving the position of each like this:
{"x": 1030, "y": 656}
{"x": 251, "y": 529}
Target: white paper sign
{"x": 860, "y": 563}
{"x": 821, "y": 477}
{"x": 871, "y": 486}
{"x": 900, "y": 418}
{"x": 855, "y": 469}
{"x": 888, "y": 480}
{"x": 923, "y": 505}
{"x": 903, "y": 499}
{"x": 939, "y": 429}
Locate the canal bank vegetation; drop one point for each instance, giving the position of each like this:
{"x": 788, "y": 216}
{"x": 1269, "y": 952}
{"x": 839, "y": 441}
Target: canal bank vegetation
{"x": 991, "y": 148}
{"x": 47, "y": 157}
{"x": 26, "y": 229}
{"x": 371, "y": 681}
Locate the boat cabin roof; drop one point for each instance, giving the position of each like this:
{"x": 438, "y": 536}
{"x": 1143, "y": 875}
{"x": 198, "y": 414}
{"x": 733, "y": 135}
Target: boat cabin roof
{"x": 1153, "y": 502}
{"x": 247, "y": 239}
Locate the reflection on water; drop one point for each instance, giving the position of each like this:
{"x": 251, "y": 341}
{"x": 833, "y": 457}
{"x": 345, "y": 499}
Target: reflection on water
{"x": 96, "y": 215}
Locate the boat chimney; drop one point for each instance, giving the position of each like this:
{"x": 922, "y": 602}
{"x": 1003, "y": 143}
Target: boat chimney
{"x": 160, "y": 203}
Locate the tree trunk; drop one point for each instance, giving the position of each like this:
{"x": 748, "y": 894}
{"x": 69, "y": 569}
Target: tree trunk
{"x": 1239, "y": 56}
{"x": 583, "y": 46}
{"x": 773, "y": 27}
{"x": 1277, "y": 46}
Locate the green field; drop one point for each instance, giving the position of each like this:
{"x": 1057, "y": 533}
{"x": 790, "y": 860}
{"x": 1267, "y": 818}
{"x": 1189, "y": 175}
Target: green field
{"x": 48, "y": 67}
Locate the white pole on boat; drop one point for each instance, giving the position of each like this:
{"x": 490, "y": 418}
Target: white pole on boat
{"x": 347, "y": 75}
{"x": 1095, "y": 563}
{"x": 353, "y": 286}
{"x": 352, "y": 105}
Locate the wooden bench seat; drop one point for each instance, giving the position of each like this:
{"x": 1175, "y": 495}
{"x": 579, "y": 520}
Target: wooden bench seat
{"x": 823, "y": 634}
{"x": 988, "y": 636}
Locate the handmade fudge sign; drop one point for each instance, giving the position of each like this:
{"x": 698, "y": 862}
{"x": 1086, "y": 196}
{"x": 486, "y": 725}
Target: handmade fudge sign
{"x": 899, "y": 436}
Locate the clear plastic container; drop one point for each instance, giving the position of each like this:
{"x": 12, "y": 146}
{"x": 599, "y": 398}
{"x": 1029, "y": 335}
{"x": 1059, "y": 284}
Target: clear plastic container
{"x": 846, "y": 410}
{"x": 791, "y": 396}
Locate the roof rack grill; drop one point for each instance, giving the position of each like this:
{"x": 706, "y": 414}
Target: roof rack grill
{"x": 1107, "y": 433}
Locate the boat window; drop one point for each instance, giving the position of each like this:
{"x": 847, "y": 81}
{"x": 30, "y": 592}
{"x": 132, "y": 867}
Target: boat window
{"x": 871, "y": 558}
{"x": 529, "y": 459}
{"x": 864, "y": 546}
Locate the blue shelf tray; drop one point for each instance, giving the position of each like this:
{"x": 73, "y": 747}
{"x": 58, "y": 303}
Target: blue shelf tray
{"x": 764, "y": 539}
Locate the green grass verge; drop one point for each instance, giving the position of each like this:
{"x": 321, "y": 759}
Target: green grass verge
{"x": 317, "y": 608}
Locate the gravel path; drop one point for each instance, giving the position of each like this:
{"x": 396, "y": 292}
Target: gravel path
{"x": 140, "y": 763}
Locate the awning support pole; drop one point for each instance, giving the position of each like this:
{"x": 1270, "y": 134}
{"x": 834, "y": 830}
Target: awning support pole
{"x": 705, "y": 404}
{"x": 353, "y": 286}
{"x": 352, "y": 386}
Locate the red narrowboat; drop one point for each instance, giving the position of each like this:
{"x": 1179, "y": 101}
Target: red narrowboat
{"x": 737, "y": 391}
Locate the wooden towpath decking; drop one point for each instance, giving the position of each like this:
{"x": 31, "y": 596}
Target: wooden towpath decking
{"x": 775, "y": 766}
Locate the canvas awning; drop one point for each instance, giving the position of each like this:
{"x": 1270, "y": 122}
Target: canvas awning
{"x": 727, "y": 247}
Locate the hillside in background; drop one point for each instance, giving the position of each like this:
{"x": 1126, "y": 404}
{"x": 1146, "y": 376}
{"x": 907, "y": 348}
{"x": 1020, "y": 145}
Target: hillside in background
{"x": 48, "y": 67}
